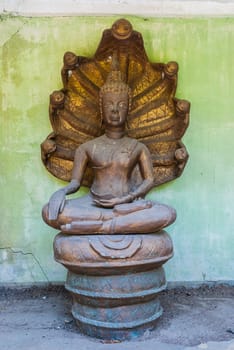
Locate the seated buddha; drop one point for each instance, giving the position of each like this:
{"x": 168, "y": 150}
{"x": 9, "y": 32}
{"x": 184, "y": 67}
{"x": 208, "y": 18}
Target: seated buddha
{"x": 115, "y": 204}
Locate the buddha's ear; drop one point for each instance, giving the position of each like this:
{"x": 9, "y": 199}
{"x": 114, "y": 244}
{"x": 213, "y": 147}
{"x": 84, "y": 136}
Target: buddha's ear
{"x": 101, "y": 123}
{"x": 129, "y": 107}
{"x": 129, "y": 102}
{"x": 100, "y": 111}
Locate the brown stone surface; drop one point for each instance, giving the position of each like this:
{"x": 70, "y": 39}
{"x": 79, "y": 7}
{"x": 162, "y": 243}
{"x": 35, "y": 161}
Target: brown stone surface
{"x": 112, "y": 254}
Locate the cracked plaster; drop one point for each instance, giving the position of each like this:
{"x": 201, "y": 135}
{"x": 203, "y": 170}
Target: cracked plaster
{"x": 15, "y": 262}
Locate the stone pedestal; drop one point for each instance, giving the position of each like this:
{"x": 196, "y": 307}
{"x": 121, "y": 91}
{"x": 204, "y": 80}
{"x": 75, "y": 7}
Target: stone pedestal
{"x": 115, "y": 281}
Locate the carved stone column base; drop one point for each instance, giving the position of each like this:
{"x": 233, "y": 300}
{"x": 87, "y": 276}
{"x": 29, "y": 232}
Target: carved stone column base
{"x": 116, "y": 306}
{"x": 115, "y": 281}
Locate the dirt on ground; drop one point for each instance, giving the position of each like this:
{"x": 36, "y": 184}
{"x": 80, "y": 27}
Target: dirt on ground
{"x": 191, "y": 316}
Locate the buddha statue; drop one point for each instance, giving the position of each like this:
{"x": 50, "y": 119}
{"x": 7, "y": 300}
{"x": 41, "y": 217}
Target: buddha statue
{"x": 115, "y": 203}
{"x": 117, "y": 128}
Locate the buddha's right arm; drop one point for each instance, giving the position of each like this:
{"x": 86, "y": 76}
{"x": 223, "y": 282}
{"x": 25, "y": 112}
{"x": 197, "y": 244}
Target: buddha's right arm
{"x": 57, "y": 200}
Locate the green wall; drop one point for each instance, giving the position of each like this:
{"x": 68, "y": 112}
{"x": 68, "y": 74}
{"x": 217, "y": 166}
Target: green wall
{"x": 31, "y": 58}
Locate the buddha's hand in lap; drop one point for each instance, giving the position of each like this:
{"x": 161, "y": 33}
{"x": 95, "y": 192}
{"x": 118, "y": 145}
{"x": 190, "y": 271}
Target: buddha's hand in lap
{"x": 56, "y": 204}
{"x": 110, "y": 203}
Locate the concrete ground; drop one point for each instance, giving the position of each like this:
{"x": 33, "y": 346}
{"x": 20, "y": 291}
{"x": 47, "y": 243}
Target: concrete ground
{"x": 40, "y": 319}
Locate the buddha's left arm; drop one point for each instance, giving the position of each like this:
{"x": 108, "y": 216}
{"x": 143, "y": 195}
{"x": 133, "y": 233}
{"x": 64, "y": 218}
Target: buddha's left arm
{"x": 146, "y": 169}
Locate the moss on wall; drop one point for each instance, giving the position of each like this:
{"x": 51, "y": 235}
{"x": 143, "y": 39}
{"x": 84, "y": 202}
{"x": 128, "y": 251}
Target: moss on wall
{"x": 31, "y": 51}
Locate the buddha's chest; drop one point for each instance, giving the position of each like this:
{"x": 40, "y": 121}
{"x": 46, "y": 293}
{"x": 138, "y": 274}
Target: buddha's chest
{"x": 117, "y": 155}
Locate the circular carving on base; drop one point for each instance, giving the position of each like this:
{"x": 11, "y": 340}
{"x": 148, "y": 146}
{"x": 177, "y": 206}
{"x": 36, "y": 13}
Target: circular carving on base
{"x": 116, "y": 247}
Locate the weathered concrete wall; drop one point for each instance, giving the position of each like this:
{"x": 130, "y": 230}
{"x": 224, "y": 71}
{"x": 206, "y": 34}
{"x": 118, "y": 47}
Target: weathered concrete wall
{"x": 152, "y": 8}
{"x": 31, "y": 58}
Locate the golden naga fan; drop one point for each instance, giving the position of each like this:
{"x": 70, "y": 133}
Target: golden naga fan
{"x": 156, "y": 118}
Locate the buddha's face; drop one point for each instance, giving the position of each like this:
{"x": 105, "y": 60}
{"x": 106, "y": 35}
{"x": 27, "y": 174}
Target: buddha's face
{"x": 115, "y": 108}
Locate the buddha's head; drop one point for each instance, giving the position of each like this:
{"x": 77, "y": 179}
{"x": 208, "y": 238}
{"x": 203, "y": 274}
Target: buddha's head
{"x": 115, "y": 100}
